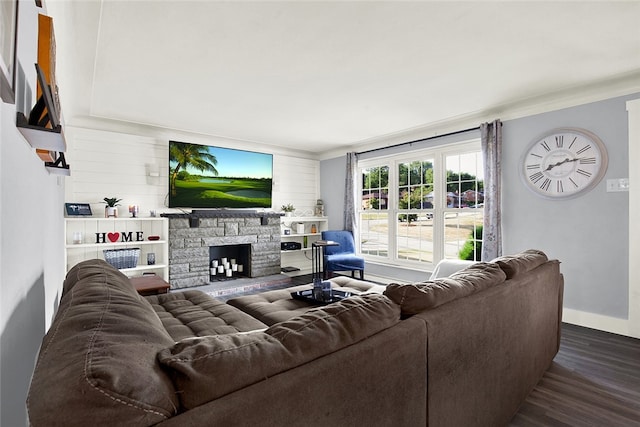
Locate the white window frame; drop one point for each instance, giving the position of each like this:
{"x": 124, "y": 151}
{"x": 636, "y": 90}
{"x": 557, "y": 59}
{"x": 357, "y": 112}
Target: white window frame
{"x": 439, "y": 154}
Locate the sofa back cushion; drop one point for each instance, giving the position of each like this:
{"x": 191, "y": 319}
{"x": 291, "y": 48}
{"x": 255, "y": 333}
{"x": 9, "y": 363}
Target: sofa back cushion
{"x": 207, "y": 368}
{"x": 417, "y": 297}
{"x": 514, "y": 265}
{"x": 97, "y": 364}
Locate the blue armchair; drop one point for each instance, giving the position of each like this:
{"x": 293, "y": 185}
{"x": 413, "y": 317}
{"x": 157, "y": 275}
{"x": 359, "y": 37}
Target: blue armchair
{"x": 342, "y": 257}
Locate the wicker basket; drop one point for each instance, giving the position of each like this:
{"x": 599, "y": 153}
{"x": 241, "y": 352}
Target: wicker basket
{"x": 122, "y": 258}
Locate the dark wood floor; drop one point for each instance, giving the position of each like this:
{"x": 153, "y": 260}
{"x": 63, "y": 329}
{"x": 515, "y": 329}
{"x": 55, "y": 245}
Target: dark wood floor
{"x": 594, "y": 381}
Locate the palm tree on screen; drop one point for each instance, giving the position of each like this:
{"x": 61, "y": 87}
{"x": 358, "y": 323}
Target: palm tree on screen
{"x": 196, "y": 156}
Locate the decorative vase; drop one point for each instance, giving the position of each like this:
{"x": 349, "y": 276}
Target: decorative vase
{"x": 288, "y": 214}
{"x": 111, "y": 211}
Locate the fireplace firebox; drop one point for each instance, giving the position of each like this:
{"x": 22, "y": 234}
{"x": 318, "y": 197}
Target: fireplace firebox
{"x": 229, "y": 262}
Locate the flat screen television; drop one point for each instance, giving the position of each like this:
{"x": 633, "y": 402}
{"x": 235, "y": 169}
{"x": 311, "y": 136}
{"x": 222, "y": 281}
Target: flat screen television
{"x": 204, "y": 176}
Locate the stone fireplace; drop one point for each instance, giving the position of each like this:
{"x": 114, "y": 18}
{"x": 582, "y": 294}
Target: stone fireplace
{"x": 192, "y": 237}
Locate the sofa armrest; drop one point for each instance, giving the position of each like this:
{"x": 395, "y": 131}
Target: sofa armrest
{"x": 97, "y": 363}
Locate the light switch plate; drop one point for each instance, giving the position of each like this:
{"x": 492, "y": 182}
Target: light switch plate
{"x": 619, "y": 184}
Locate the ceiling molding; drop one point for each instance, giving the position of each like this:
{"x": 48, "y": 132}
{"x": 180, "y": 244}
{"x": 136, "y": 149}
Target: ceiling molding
{"x": 622, "y": 86}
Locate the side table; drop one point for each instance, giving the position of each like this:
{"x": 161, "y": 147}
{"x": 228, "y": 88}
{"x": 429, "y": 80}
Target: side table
{"x": 317, "y": 258}
{"x": 321, "y": 288}
{"x": 149, "y": 284}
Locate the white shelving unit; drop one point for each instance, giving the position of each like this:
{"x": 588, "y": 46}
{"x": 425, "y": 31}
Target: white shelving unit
{"x": 95, "y": 232}
{"x": 299, "y": 229}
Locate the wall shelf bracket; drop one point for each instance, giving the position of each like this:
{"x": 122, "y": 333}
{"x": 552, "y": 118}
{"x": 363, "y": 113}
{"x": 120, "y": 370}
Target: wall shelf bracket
{"x": 59, "y": 167}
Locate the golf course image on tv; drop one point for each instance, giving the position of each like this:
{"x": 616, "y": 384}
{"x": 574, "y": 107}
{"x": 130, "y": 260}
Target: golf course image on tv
{"x": 204, "y": 176}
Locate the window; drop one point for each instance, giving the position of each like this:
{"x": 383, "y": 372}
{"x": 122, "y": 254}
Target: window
{"x": 423, "y": 206}
{"x": 374, "y": 240}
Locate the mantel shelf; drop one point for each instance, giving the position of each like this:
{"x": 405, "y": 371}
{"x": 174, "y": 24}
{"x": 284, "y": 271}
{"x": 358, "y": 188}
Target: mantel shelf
{"x": 41, "y": 138}
{"x": 223, "y": 213}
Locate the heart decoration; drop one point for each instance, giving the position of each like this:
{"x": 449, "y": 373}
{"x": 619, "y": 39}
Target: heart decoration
{"x": 113, "y": 237}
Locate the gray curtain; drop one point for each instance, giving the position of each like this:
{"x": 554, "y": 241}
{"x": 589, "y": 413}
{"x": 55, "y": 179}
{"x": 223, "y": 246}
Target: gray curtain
{"x": 350, "y": 221}
{"x": 491, "y": 138}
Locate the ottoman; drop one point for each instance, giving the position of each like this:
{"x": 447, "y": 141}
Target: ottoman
{"x": 193, "y": 313}
{"x": 276, "y": 306}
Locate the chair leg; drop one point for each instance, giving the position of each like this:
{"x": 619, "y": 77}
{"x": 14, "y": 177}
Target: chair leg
{"x": 361, "y": 274}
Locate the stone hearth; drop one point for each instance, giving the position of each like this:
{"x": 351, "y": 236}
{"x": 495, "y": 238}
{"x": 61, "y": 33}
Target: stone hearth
{"x": 191, "y": 236}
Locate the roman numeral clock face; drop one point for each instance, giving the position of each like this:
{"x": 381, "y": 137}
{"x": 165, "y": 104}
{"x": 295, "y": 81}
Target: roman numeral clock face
{"x": 564, "y": 163}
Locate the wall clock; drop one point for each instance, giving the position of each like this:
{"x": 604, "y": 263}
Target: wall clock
{"x": 564, "y": 163}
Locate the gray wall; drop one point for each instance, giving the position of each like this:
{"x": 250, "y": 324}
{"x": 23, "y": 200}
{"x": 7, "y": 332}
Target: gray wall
{"x": 333, "y": 173}
{"x": 31, "y": 238}
{"x": 589, "y": 234}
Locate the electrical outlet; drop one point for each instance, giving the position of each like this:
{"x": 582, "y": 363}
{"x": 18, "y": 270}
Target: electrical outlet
{"x": 615, "y": 185}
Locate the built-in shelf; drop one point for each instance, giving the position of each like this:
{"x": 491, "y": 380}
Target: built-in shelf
{"x": 298, "y": 235}
{"x": 114, "y": 245}
{"x": 300, "y": 258}
{"x": 92, "y": 235}
{"x": 297, "y": 250}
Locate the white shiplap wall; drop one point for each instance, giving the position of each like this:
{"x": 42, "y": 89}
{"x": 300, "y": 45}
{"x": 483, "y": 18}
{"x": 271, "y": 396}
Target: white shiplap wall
{"x": 296, "y": 181}
{"x": 112, "y": 164}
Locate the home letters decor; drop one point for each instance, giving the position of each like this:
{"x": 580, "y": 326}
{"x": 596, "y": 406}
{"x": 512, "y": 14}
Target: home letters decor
{"x": 123, "y": 236}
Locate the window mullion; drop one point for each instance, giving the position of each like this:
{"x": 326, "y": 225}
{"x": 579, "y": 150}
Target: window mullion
{"x": 439, "y": 192}
{"x": 393, "y": 211}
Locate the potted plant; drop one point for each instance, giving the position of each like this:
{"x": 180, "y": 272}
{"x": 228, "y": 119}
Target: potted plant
{"x": 111, "y": 209}
{"x": 288, "y": 209}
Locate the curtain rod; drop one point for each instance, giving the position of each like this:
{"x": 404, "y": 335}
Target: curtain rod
{"x": 420, "y": 140}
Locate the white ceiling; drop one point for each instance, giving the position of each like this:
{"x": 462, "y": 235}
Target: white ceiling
{"x": 321, "y": 76}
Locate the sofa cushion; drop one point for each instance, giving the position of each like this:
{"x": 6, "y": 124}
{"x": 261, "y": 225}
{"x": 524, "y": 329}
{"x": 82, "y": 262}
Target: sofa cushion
{"x": 98, "y": 360}
{"x": 417, "y": 297}
{"x": 207, "y": 368}
{"x": 193, "y": 313}
{"x": 520, "y": 263}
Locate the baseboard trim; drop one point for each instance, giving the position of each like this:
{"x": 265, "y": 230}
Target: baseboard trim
{"x": 598, "y": 321}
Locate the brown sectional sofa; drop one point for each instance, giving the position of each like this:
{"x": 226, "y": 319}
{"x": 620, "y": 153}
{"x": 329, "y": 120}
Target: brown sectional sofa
{"x": 460, "y": 351}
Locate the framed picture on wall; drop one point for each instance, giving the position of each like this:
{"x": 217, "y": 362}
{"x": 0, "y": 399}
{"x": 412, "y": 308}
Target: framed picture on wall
{"x": 51, "y": 112}
{"x": 8, "y": 19}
